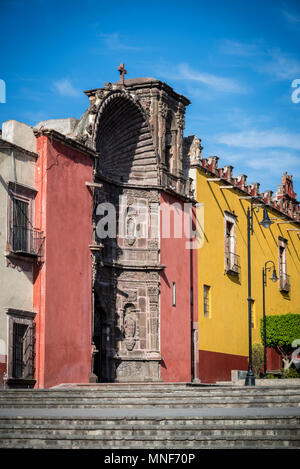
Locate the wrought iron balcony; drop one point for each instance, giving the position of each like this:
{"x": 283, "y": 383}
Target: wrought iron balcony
{"x": 284, "y": 282}
{"x": 25, "y": 241}
{"x": 232, "y": 263}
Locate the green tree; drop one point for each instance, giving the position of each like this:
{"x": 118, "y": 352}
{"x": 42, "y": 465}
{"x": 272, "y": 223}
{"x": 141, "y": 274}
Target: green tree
{"x": 281, "y": 331}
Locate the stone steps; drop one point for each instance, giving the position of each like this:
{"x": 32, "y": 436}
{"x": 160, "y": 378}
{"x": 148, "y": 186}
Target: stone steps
{"x": 152, "y": 396}
{"x": 31, "y": 394}
{"x": 154, "y": 404}
{"x": 150, "y": 433}
{"x": 144, "y": 430}
{"x": 148, "y": 393}
{"x": 152, "y": 443}
{"x": 161, "y": 390}
{"x": 150, "y": 417}
{"x": 148, "y": 442}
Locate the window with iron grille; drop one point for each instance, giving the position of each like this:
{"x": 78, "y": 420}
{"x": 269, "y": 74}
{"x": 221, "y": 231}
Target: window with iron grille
{"x": 21, "y": 340}
{"x": 19, "y": 332}
{"x": 20, "y": 225}
{"x": 23, "y": 238}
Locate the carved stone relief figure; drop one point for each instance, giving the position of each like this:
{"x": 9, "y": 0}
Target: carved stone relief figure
{"x": 131, "y": 234}
{"x": 129, "y": 326}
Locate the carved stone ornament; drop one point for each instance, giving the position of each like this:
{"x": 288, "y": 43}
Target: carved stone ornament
{"x": 100, "y": 94}
{"x": 93, "y": 109}
{"x": 180, "y": 119}
{"x": 147, "y": 105}
{"x": 163, "y": 108}
{"x": 89, "y": 129}
{"x": 129, "y": 327}
{"x": 131, "y": 236}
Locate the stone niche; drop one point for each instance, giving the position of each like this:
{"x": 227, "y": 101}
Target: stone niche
{"x": 137, "y": 353}
{"x": 127, "y": 288}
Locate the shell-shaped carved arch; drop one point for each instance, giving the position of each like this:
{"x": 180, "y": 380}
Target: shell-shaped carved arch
{"x": 123, "y": 138}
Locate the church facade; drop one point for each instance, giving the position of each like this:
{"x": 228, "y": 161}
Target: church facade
{"x": 128, "y": 241}
{"x": 137, "y": 132}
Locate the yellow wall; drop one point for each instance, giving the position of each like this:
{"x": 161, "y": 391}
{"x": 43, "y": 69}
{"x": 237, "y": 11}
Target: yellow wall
{"x": 226, "y": 330}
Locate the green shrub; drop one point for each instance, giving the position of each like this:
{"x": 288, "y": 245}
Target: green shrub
{"x": 281, "y": 331}
{"x": 257, "y": 359}
{"x": 291, "y": 373}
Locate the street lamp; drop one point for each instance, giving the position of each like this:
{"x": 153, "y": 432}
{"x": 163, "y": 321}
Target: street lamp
{"x": 266, "y": 223}
{"x": 264, "y": 280}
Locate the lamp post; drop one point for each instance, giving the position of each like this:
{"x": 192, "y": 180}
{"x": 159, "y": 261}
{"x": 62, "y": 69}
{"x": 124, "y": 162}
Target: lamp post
{"x": 266, "y": 223}
{"x": 264, "y": 281}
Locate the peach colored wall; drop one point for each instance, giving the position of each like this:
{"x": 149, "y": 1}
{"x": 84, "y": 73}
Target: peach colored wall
{"x": 62, "y": 288}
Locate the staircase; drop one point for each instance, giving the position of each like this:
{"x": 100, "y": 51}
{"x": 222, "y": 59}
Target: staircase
{"x": 151, "y": 416}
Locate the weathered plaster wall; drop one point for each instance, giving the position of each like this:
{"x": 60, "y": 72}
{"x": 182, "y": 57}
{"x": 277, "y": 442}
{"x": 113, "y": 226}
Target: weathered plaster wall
{"x": 19, "y": 133}
{"x": 62, "y": 291}
{"x": 16, "y": 286}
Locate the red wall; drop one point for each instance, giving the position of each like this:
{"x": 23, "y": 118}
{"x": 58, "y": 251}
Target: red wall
{"x": 3, "y": 369}
{"x": 62, "y": 289}
{"x": 175, "y": 321}
{"x": 215, "y": 366}
{"x": 274, "y": 361}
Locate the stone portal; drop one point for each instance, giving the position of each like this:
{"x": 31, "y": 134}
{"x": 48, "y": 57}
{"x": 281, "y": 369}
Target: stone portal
{"x": 136, "y": 127}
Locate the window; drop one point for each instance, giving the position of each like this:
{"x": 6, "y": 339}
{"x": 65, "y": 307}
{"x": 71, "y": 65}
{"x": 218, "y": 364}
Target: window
{"x": 20, "y": 331}
{"x": 206, "y": 300}
{"x": 284, "y": 280}
{"x": 174, "y": 294}
{"x": 23, "y": 239}
{"x": 20, "y": 225}
{"x": 231, "y": 258}
{"x": 21, "y": 347}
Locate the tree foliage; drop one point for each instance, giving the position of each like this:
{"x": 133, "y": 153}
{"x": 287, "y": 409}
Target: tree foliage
{"x": 281, "y": 331}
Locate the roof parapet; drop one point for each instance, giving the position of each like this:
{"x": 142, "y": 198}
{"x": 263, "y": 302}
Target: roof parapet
{"x": 284, "y": 199}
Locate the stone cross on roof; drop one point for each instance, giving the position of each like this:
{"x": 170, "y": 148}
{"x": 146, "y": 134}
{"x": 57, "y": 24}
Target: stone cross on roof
{"x": 123, "y": 72}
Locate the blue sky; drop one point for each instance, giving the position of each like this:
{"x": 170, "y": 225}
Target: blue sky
{"x": 235, "y": 60}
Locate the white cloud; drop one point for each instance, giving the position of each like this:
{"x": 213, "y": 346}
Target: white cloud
{"x": 291, "y": 18}
{"x": 262, "y": 165}
{"x": 263, "y": 59}
{"x": 32, "y": 117}
{"x": 282, "y": 66}
{"x": 65, "y": 88}
{"x": 240, "y": 119}
{"x": 237, "y": 48}
{"x": 114, "y": 42}
{"x": 184, "y": 72}
{"x": 260, "y": 139}
{"x": 276, "y": 162}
